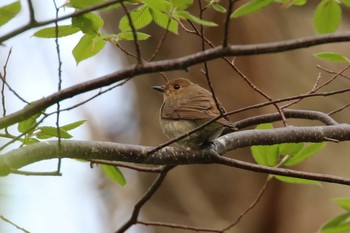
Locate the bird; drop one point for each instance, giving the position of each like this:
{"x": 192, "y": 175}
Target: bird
{"x": 186, "y": 106}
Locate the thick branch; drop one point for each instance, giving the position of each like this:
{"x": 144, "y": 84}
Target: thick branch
{"x": 167, "y": 65}
{"x": 23, "y": 156}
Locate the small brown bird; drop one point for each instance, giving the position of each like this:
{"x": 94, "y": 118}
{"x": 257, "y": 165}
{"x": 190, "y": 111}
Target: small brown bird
{"x": 186, "y": 106}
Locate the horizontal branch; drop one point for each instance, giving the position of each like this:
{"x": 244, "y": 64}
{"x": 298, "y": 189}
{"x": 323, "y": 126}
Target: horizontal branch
{"x": 168, "y": 65}
{"x": 109, "y": 151}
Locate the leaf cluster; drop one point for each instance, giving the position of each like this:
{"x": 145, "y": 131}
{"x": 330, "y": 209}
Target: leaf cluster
{"x": 285, "y": 154}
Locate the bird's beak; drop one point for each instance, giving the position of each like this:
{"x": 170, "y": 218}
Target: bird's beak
{"x": 158, "y": 88}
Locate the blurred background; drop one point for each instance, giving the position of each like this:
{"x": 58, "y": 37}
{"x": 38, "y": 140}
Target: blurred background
{"x": 213, "y": 196}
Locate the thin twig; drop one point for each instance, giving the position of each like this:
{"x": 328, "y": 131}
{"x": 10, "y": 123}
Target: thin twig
{"x": 227, "y": 23}
{"x": 151, "y": 190}
{"x": 339, "y": 109}
{"x": 13, "y": 224}
{"x": 250, "y": 207}
{"x": 178, "y": 226}
{"x": 161, "y": 42}
{"x": 136, "y": 43}
{"x": 59, "y": 87}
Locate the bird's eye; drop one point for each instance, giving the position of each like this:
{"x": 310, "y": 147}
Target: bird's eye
{"x": 176, "y": 86}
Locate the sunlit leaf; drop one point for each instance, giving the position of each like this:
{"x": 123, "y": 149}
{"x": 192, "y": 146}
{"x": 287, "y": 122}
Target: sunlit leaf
{"x": 338, "y": 224}
{"x": 343, "y": 203}
{"x": 114, "y": 174}
{"x": 182, "y": 4}
{"x": 46, "y": 132}
{"x": 162, "y": 19}
{"x": 88, "y": 46}
{"x": 140, "y": 18}
{"x": 130, "y": 36}
{"x": 290, "y": 148}
{"x": 9, "y": 11}
{"x": 218, "y": 8}
{"x": 251, "y": 7}
{"x": 50, "y": 32}
{"x": 304, "y": 154}
{"x": 295, "y": 180}
{"x": 327, "y": 16}
{"x": 89, "y": 23}
{"x": 73, "y": 125}
{"x": 161, "y": 5}
{"x": 187, "y": 15}
{"x": 333, "y": 57}
{"x": 28, "y": 124}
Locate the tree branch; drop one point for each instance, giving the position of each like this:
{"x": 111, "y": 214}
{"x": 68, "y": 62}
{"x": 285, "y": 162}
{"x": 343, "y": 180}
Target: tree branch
{"x": 23, "y": 156}
{"x": 181, "y": 63}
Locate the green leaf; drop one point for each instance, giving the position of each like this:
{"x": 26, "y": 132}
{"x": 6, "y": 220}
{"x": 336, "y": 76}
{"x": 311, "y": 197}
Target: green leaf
{"x": 50, "y": 32}
{"x": 264, "y": 126}
{"x": 140, "y": 18}
{"x": 130, "y": 36}
{"x": 343, "y": 203}
{"x": 88, "y": 46}
{"x": 218, "y": 8}
{"x": 251, "y": 7}
{"x": 83, "y": 3}
{"x": 162, "y": 19}
{"x": 304, "y": 154}
{"x": 290, "y": 148}
{"x": 46, "y": 132}
{"x": 295, "y": 180}
{"x": 327, "y": 16}
{"x": 333, "y": 57}
{"x": 28, "y": 124}
{"x": 346, "y": 2}
{"x": 265, "y": 155}
{"x": 187, "y": 15}
{"x": 161, "y": 5}
{"x": 9, "y": 11}
{"x": 114, "y": 174}
{"x": 182, "y": 4}
{"x": 89, "y": 23}
{"x": 337, "y": 225}
{"x": 73, "y": 125}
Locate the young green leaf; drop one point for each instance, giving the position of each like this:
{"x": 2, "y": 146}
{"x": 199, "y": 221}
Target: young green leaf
{"x": 114, "y": 174}
{"x": 338, "y": 224}
{"x": 46, "y": 132}
{"x": 89, "y": 23}
{"x": 304, "y": 154}
{"x": 327, "y": 16}
{"x": 73, "y": 125}
{"x": 250, "y": 7}
{"x": 140, "y": 18}
{"x": 343, "y": 203}
{"x": 50, "y": 32}
{"x": 161, "y": 5}
{"x": 187, "y": 15}
{"x": 130, "y": 36}
{"x": 9, "y": 11}
{"x": 265, "y": 155}
{"x": 28, "y": 124}
{"x": 182, "y": 4}
{"x": 218, "y": 8}
{"x": 162, "y": 19}
{"x": 294, "y": 180}
{"x": 290, "y": 148}
{"x": 88, "y": 46}
{"x": 346, "y": 2}
{"x": 79, "y": 4}
{"x": 333, "y": 57}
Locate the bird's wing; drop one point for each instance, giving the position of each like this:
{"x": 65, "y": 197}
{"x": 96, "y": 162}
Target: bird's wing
{"x": 198, "y": 106}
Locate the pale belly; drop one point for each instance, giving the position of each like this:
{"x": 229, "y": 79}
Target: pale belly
{"x": 176, "y": 128}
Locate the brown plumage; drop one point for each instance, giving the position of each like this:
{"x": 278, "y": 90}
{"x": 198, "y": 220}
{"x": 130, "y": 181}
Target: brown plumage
{"x": 186, "y": 106}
